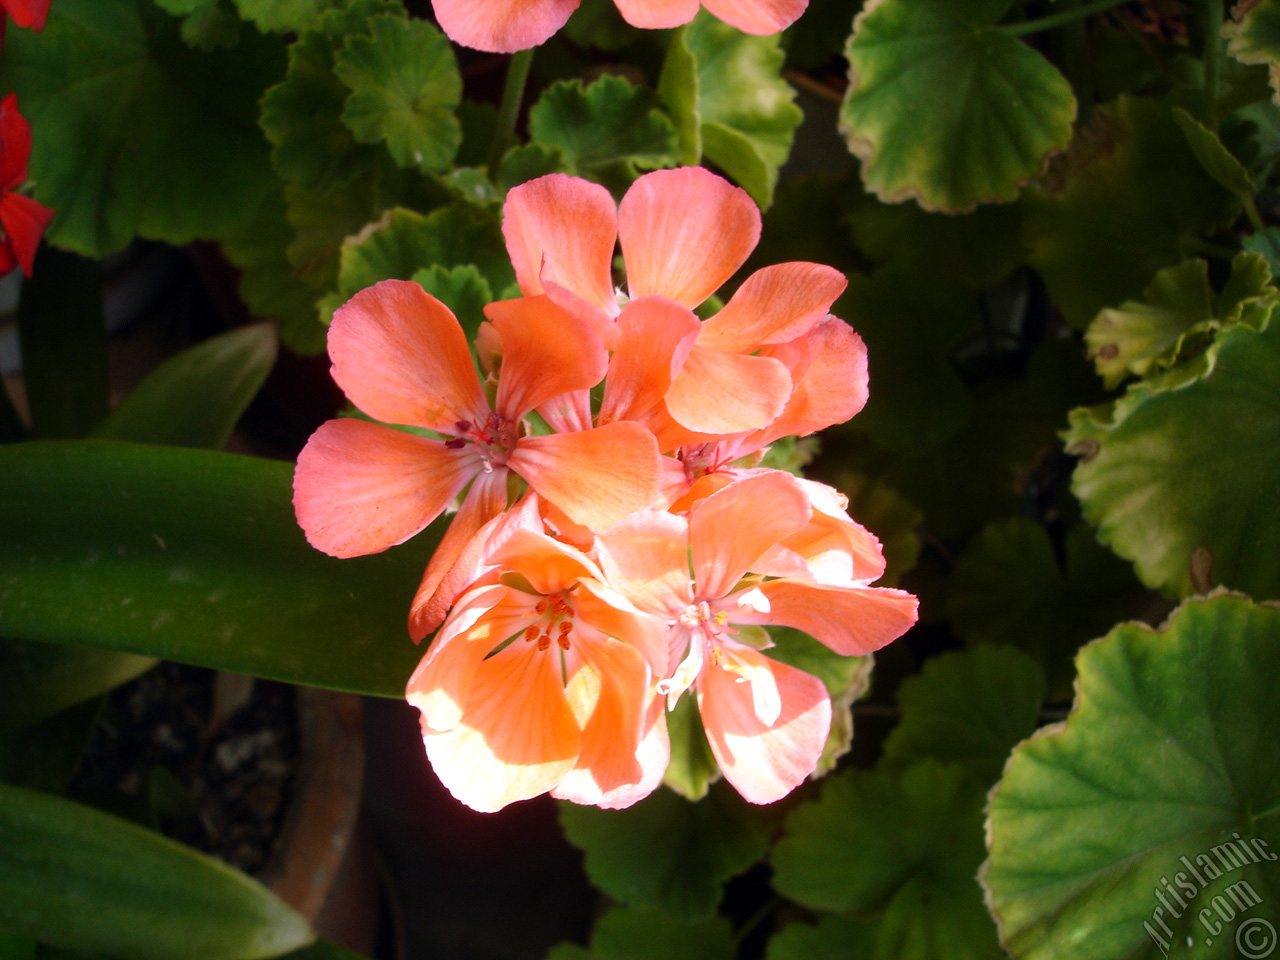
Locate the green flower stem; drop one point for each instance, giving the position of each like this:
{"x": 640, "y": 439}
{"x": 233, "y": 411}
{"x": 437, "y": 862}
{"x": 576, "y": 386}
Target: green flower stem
{"x": 509, "y": 110}
{"x": 1059, "y": 19}
{"x": 1213, "y": 14}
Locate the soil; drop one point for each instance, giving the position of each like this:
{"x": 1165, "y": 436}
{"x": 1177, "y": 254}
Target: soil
{"x": 160, "y": 756}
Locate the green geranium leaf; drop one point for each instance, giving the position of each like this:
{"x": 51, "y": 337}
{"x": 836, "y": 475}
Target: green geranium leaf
{"x": 472, "y": 185}
{"x": 74, "y": 877}
{"x": 1118, "y": 207}
{"x": 949, "y": 111}
{"x": 462, "y": 289}
{"x": 195, "y": 398}
{"x": 911, "y": 323}
{"x": 1177, "y": 312}
{"x": 667, "y": 853}
{"x": 269, "y": 285}
{"x": 693, "y": 766}
{"x": 916, "y": 843}
{"x": 1110, "y": 833}
{"x": 285, "y": 16}
{"x": 406, "y": 242}
{"x": 528, "y": 162}
{"x": 207, "y": 24}
{"x": 302, "y": 115}
{"x": 598, "y": 23}
{"x": 1255, "y": 37}
{"x": 405, "y": 88}
{"x": 833, "y": 938}
{"x": 607, "y": 131}
{"x": 745, "y": 114}
{"x": 195, "y": 168}
{"x": 678, "y": 87}
{"x": 1213, "y": 156}
{"x": 323, "y": 221}
{"x": 1177, "y": 474}
{"x": 970, "y": 708}
{"x": 1139, "y": 337}
{"x": 1267, "y": 245}
{"x": 624, "y": 934}
{"x": 1008, "y": 587}
{"x": 194, "y": 556}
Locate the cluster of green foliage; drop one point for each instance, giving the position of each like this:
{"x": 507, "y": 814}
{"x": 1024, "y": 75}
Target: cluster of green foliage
{"x": 1061, "y": 224}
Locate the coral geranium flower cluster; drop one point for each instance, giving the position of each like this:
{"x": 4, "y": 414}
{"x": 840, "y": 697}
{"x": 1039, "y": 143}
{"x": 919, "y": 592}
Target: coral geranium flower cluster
{"x": 616, "y": 544}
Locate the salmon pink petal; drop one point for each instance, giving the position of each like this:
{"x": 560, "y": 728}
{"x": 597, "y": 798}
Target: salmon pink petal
{"x": 773, "y": 305}
{"x": 454, "y": 563}
{"x": 24, "y": 222}
{"x": 646, "y": 557}
{"x": 838, "y": 549}
{"x": 607, "y": 689}
{"x": 502, "y": 27}
{"x": 569, "y": 412}
{"x": 764, "y": 762}
{"x": 563, "y": 229}
{"x": 653, "y": 754}
{"x": 673, "y": 483}
{"x": 361, "y": 487}
{"x": 400, "y": 356}
{"x": 595, "y": 476}
{"x": 517, "y": 736}
{"x": 761, "y": 17}
{"x": 15, "y": 142}
{"x": 684, "y": 233}
{"x": 546, "y": 352}
{"x": 654, "y": 339}
{"x": 481, "y": 619}
{"x": 731, "y": 529}
{"x": 657, "y": 14}
{"x": 723, "y": 393}
{"x": 852, "y": 621}
{"x": 601, "y": 321}
{"x": 547, "y": 564}
{"x": 830, "y": 389}
{"x": 601, "y": 607}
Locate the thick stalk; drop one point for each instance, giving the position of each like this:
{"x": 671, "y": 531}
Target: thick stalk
{"x": 504, "y": 131}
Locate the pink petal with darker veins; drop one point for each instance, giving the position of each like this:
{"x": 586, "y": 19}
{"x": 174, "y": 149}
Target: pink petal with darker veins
{"x": 563, "y": 229}
{"x": 684, "y": 232}
{"x": 361, "y": 487}
{"x": 401, "y": 357}
{"x": 764, "y": 762}
{"x": 502, "y": 26}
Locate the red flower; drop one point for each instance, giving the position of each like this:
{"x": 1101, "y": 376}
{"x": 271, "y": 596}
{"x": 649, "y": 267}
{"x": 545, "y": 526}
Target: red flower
{"x": 22, "y": 220}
